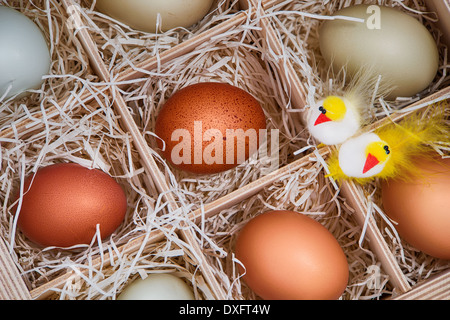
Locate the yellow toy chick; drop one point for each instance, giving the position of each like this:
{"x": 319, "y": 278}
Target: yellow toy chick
{"x": 387, "y": 152}
{"x": 342, "y": 113}
{"x": 334, "y": 120}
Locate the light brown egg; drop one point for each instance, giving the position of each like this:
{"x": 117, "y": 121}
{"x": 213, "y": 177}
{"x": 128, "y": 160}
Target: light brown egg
{"x": 290, "y": 256}
{"x": 420, "y": 207}
{"x": 209, "y": 127}
{"x": 63, "y": 203}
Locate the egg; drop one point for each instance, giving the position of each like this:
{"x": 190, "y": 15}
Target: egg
{"x": 24, "y": 54}
{"x": 419, "y": 207}
{"x": 157, "y": 286}
{"x": 290, "y": 256}
{"x": 63, "y": 203}
{"x": 389, "y": 43}
{"x": 209, "y": 127}
{"x": 143, "y": 14}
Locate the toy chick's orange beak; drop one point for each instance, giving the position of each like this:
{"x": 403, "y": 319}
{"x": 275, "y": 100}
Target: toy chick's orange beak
{"x": 321, "y": 119}
{"x": 371, "y": 161}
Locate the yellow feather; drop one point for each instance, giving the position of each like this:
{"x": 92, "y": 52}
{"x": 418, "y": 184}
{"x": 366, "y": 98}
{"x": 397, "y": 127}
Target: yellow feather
{"x": 360, "y": 89}
{"x": 412, "y": 137}
{"x": 364, "y": 86}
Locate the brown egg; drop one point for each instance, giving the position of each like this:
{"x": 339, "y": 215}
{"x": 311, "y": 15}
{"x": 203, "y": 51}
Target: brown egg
{"x": 63, "y": 203}
{"x": 290, "y": 256}
{"x": 209, "y": 127}
{"x": 420, "y": 207}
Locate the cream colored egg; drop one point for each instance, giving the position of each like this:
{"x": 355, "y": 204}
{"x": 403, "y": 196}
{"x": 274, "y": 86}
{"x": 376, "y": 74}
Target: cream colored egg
{"x": 158, "y": 286}
{"x": 24, "y": 54}
{"x": 143, "y": 14}
{"x": 391, "y": 43}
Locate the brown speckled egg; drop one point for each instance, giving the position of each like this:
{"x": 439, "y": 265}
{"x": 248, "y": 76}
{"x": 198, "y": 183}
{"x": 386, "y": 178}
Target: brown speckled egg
{"x": 209, "y": 127}
{"x": 287, "y": 255}
{"x": 63, "y": 203}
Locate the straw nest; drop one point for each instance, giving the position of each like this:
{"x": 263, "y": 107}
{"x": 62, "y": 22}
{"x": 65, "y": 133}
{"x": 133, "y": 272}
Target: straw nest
{"x": 69, "y": 119}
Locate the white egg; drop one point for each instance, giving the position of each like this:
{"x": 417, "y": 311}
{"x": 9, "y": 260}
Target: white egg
{"x": 24, "y": 54}
{"x": 143, "y": 14}
{"x": 394, "y": 44}
{"x": 157, "y": 286}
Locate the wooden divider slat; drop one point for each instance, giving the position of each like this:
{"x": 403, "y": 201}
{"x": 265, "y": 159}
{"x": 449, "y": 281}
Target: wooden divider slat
{"x": 435, "y": 288}
{"x": 12, "y": 285}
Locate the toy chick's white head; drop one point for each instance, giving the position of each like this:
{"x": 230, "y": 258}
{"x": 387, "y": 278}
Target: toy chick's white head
{"x": 333, "y": 120}
{"x": 364, "y": 156}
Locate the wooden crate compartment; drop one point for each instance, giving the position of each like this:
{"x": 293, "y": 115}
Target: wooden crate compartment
{"x": 123, "y": 49}
{"x": 416, "y": 267}
{"x": 192, "y": 226}
{"x": 70, "y": 69}
{"x": 304, "y": 190}
{"x": 161, "y": 252}
{"x": 299, "y": 34}
{"x": 297, "y": 26}
{"x": 229, "y": 59}
{"x": 83, "y": 135}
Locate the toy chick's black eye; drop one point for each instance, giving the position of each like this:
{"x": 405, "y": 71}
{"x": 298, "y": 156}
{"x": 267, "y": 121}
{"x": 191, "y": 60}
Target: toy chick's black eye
{"x": 386, "y": 148}
{"x": 322, "y": 109}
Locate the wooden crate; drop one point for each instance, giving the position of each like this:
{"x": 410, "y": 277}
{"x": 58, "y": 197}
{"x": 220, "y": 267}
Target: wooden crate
{"x": 104, "y": 107}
